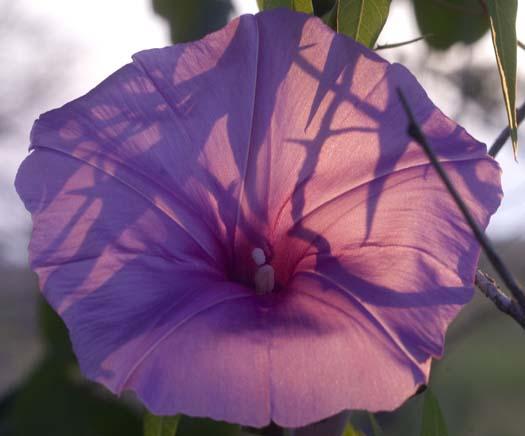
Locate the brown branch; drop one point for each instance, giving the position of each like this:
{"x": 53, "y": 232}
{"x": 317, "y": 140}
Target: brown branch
{"x": 505, "y": 133}
{"x": 521, "y": 45}
{"x": 491, "y": 290}
{"x": 508, "y": 279}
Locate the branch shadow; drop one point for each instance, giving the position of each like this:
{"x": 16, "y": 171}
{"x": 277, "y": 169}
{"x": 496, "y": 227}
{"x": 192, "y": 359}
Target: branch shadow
{"x": 140, "y": 136}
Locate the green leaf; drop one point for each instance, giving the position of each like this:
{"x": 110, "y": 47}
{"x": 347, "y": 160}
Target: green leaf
{"x": 433, "y": 423}
{"x": 350, "y": 430}
{"x": 502, "y": 15}
{"x": 448, "y": 22}
{"x": 305, "y": 6}
{"x": 376, "y": 429}
{"x": 265, "y": 5}
{"x": 362, "y": 19}
{"x": 160, "y": 425}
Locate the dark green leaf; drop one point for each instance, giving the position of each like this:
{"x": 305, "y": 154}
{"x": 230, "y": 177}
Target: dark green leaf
{"x": 303, "y": 6}
{"x": 160, "y": 425}
{"x": 191, "y": 20}
{"x": 330, "y": 18}
{"x": 56, "y": 401}
{"x": 376, "y": 429}
{"x": 332, "y": 426}
{"x": 55, "y": 335}
{"x": 503, "y": 28}
{"x": 433, "y": 423}
{"x": 322, "y": 7}
{"x": 272, "y": 4}
{"x": 203, "y": 427}
{"x": 448, "y": 22}
{"x": 362, "y": 19}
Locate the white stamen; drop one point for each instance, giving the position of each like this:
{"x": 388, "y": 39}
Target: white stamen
{"x": 264, "y": 279}
{"x": 258, "y": 256}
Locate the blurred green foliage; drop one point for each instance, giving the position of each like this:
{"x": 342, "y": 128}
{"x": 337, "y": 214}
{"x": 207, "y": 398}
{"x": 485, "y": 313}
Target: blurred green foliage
{"x": 479, "y": 382}
{"x": 448, "y": 22}
{"x": 191, "y": 20}
{"x": 54, "y": 335}
{"x": 56, "y": 400}
{"x": 375, "y": 427}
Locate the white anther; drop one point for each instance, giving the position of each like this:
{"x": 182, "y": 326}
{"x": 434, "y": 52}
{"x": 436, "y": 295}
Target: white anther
{"x": 264, "y": 279}
{"x": 258, "y": 256}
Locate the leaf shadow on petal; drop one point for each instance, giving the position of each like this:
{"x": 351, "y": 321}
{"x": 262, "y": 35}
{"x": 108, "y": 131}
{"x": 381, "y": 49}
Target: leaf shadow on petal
{"x": 133, "y": 223}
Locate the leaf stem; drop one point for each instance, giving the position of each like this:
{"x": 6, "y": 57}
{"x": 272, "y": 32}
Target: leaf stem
{"x": 400, "y": 44}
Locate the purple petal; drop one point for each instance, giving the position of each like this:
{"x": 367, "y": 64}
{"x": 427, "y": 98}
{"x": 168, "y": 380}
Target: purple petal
{"x": 149, "y": 194}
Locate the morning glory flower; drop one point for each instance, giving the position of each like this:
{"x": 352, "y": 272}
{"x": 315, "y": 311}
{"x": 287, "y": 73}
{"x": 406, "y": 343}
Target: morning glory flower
{"x": 241, "y": 227}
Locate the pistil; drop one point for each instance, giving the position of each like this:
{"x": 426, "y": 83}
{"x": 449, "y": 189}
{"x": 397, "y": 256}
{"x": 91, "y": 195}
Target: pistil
{"x": 265, "y": 275}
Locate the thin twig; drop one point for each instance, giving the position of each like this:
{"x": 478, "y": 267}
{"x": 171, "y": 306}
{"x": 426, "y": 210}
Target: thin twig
{"x": 505, "y": 133}
{"x": 488, "y": 286}
{"x": 508, "y": 279}
{"x": 521, "y": 44}
{"x": 401, "y": 44}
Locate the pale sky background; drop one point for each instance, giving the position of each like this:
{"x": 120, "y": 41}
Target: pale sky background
{"x": 87, "y": 41}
